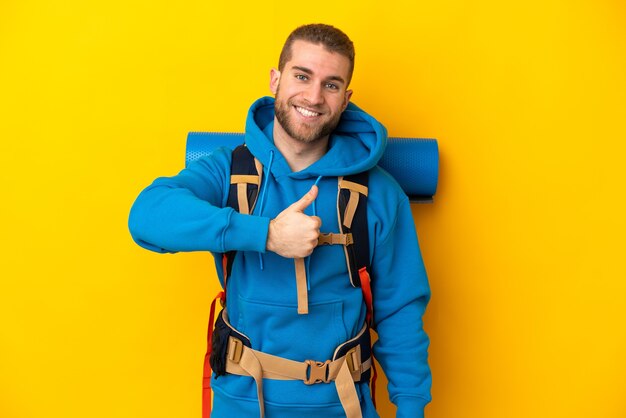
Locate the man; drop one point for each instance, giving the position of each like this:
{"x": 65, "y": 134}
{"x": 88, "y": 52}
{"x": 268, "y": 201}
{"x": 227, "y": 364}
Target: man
{"x": 290, "y": 299}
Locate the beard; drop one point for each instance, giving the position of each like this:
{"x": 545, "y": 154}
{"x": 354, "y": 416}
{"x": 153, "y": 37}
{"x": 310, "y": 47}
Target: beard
{"x": 303, "y": 132}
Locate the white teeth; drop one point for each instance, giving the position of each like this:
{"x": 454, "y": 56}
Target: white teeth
{"x": 306, "y": 112}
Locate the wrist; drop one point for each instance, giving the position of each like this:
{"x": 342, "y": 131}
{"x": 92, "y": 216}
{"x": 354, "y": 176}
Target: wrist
{"x": 269, "y": 244}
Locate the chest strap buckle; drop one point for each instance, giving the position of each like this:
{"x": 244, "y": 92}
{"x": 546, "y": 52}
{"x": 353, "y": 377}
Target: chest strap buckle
{"x": 335, "y": 239}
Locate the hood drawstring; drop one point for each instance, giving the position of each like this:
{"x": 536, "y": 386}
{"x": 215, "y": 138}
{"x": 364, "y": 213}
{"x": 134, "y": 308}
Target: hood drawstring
{"x": 308, "y": 259}
{"x": 264, "y": 195}
{"x": 314, "y": 206}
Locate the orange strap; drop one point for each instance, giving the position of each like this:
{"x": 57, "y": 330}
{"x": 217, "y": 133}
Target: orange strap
{"x": 206, "y": 378}
{"x": 225, "y": 268}
{"x": 369, "y": 317}
{"x": 367, "y": 294}
{"x": 206, "y": 375}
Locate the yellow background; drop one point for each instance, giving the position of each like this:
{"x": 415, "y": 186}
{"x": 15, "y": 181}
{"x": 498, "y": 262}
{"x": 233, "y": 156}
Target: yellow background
{"x": 524, "y": 245}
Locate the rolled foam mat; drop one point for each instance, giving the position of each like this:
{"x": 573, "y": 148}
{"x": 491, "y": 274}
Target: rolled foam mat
{"x": 413, "y": 162}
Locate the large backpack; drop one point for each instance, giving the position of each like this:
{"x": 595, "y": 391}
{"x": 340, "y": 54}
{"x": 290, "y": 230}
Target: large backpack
{"x": 246, "y": 175}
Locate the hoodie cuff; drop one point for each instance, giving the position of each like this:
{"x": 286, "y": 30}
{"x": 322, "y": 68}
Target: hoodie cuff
{"x": 246, "y": 233}
{"x": 410, "y": 406}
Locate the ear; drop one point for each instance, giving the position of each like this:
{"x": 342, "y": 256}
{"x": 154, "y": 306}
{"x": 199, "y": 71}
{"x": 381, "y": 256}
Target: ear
{"x": 274, "y": 80}
{"x": 346, "y": 100}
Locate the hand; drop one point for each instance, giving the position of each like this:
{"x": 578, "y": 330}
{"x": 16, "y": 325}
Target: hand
{"x": 292, "y": 234}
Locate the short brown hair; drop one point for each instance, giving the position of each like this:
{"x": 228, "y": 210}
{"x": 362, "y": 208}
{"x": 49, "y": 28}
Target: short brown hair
{"x": 328, "y": 36}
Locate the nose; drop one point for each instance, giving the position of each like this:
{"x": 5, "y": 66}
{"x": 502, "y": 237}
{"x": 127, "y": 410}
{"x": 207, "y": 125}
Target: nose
{"x": 314, "y": 94}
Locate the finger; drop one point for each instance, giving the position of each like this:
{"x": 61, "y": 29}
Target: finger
{"x": 305, "y": 200}
{"x": 318, "y": 222}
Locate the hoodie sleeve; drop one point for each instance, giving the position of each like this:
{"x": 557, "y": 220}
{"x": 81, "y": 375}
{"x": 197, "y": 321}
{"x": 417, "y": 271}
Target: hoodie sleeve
{"x": 401, "y": 293}
{"x": 186, "y": 212}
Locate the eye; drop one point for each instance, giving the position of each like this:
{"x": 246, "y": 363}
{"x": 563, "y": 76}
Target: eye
{"x": 301, "y": 77}
{"x": 332, "y": 86}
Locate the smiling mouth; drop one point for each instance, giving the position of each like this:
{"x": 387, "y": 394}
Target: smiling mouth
{"x": 306, "y": 112}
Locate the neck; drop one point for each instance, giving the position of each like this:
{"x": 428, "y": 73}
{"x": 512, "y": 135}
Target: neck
{"x": 299, "y": 155}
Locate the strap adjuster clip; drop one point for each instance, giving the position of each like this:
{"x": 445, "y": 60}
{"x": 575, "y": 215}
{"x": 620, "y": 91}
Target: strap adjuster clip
{"x": 349, "y": 239}
{"x": 235, "y": 349}
{"x": 353, "y": 358}
{"x": 317, "y": 372}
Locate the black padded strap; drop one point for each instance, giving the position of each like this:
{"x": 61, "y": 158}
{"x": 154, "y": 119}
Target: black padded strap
{"x": 359, "y": 252}
{"x": 242, "y": 164}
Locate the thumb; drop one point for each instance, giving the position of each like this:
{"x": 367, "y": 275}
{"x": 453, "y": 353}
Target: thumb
{"x": 305, "y": 200}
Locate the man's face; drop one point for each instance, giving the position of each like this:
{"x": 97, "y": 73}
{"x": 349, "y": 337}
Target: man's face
{"x": 311, "y": 91}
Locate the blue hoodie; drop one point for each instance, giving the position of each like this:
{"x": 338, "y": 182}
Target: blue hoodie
{"x": 188, "y": 212}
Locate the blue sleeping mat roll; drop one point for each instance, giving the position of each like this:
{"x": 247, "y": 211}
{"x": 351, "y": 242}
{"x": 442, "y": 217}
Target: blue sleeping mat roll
{"x": 413, "y": 162}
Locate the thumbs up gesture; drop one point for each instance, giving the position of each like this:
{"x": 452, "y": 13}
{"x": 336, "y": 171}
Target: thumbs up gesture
{"x": 292, "y": 234}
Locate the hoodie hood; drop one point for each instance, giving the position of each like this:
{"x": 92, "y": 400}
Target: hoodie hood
{"x": 355, "y": 146}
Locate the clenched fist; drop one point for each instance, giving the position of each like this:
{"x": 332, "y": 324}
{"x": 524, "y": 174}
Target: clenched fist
{"x": 292, "y": 234}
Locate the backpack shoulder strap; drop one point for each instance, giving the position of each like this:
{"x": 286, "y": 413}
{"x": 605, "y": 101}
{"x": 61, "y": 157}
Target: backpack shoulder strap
{"x": 352, "y": 214}
{"x": 245, "y": 180}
